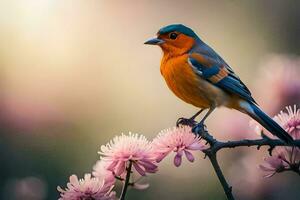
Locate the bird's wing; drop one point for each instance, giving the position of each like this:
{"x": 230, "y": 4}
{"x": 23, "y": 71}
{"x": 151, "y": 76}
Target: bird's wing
{"x": 220, "y": 74}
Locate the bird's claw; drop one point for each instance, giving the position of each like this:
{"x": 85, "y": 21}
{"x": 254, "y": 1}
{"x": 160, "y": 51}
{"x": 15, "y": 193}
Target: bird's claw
{"x": 199, "y": 129}
{"x": 186, "y": 122}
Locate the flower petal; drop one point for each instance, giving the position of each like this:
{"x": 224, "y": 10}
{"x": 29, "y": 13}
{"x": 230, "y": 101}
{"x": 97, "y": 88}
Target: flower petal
{"x": 147, "y": 164}
{"x": 141, "y": 186}
{"x": 112, "y": 166}
{"x": 177, "y": 160}
{"x": 189, "y": 156}
{"x": 139, "y": 169}
{"x": 196, "y": 146}
{"x": 120, "y": 168}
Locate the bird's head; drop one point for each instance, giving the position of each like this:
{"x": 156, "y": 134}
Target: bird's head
{"x": 175, "y": 39}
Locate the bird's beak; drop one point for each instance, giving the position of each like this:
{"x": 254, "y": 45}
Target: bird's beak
{"x": 154, "y": 41}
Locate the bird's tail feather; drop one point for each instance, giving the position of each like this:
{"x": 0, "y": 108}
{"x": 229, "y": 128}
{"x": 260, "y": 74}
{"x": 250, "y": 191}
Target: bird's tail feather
{"x": 256, "y": 113}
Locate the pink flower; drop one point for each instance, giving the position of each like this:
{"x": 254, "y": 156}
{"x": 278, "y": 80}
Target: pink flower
{"x": 133, "y": 147}
{"x": 100, "y": 171}
{"x": 180, "y": 140}
{"x": 290, "y": 121}
{"x": 87, "y": 188}
{"x": 285, "y": 158}
{"x": 273, "y": 164}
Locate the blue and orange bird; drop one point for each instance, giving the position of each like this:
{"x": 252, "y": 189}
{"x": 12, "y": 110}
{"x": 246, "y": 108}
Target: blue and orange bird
{"x": 199, "y": 76}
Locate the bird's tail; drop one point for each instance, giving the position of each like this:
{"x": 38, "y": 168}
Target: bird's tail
{"x": 256, "y": 113}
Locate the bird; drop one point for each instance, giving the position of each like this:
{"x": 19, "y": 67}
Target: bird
{"x": 196, "y": 74}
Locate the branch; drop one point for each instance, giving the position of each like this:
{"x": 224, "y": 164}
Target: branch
{"x": 216, "y": 145}
{"x": 126, "y": 184}
{"x": 227, "y": 189}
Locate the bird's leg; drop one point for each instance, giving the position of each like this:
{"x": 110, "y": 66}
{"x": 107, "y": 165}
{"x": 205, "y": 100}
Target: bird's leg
{"x": 200, "y": 127}
{"x": 188, "y": 121}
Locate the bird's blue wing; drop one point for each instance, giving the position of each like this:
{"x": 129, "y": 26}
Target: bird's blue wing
{"x": 230, "y": 83}
{"x": 217, "y": 73}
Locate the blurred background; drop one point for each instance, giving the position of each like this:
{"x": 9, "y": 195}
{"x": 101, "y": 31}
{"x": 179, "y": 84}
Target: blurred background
{"x": 73, "y": 74}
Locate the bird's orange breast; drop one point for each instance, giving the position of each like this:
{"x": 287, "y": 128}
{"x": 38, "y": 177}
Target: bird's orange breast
{"x": 189, "y": 86}
{"x": 181, "y": 79}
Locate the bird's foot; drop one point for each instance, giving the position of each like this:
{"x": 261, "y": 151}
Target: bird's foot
{"x": 186, "y": 122}
{"x": 199, "y": 128}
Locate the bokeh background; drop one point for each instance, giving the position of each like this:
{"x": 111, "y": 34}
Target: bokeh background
{"x": 73, "y": 74}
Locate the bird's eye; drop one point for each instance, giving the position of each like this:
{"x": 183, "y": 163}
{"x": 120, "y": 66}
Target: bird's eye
{"x": 173, "y": 35}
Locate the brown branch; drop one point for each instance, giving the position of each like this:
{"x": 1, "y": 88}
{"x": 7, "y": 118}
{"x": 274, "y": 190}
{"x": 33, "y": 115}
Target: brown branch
{"x": 227, "y": 189}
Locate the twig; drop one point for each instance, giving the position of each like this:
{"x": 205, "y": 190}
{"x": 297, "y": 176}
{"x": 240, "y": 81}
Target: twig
{"x": 258, "y": 142}
{"x": 126, "y": 184}
{"x": 266, "y": 141}
{"x": 227, "y": 189}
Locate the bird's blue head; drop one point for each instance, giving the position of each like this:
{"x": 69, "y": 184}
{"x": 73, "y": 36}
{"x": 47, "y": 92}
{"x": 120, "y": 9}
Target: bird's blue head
{"x": 175, "y": 39}
{"x": 178, "y": 28}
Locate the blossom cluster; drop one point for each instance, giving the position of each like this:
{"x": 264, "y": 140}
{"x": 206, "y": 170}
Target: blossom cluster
{"x": 132, "y": 153}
